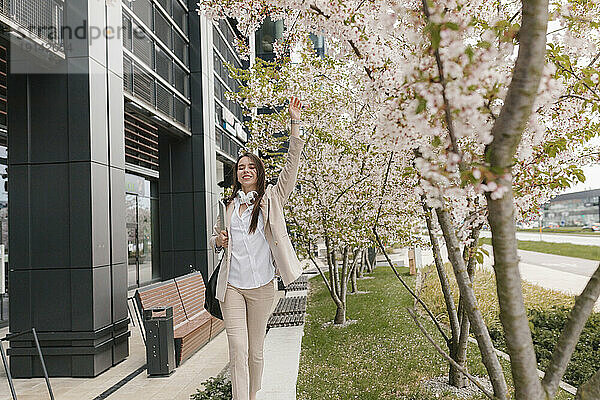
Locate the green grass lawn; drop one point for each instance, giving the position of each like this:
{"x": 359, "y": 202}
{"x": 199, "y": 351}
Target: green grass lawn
{"x": 382, "y": 356}
{"x": 561, "y": 249}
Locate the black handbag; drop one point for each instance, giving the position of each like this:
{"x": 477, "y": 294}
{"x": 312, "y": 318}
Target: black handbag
{"x": 211, "y": 303}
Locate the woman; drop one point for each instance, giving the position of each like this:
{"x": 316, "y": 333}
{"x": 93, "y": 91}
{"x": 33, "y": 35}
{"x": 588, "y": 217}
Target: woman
{"x": 257, "y": 246}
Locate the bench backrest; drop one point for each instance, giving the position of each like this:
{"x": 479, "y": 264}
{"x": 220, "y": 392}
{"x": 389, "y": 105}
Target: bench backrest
{"x": 191, "y": 289}
{"x": 162, "y": 294}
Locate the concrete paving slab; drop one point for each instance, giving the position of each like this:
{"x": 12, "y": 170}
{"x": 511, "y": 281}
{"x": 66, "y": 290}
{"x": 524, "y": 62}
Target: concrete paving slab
{"x": 282, "y": 359}
{"x": 207, "y": 362}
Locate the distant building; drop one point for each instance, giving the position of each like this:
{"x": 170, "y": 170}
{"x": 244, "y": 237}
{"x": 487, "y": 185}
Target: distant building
{"x": 573, "y": 209}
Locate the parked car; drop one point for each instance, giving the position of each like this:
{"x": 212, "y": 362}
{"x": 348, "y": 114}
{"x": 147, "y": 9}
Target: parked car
{"x": 591, "y": 227}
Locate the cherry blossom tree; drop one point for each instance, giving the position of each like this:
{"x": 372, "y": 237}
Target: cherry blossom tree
{"x": 339, "y": 172}
{"x": 466, "y": 88}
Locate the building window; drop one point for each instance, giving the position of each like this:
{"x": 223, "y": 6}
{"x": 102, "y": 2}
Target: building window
{"x": 268, "y": 33}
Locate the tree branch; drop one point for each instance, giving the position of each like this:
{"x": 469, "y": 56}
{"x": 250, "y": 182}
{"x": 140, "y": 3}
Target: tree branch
{"x": 584, "y": 306}
{"x": 447, "y": 110}
{"x": 320, "y": 272}
{"x": 591, "y": 389}
{"x": 486, "y": 347}
{"x": 447, "y": 357}
{"x": 445, "y": 284}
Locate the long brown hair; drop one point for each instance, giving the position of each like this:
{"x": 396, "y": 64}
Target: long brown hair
{"x": 260, "y": 187}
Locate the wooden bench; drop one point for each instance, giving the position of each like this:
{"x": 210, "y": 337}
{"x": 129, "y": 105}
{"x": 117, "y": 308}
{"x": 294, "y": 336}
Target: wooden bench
{"x": 193, "y": 326}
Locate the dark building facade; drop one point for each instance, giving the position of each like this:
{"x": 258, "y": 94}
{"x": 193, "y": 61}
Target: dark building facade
{"x": 115, "y": 149}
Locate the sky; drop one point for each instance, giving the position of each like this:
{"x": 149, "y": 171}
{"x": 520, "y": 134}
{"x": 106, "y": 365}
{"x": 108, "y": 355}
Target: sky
{"x": 592, "y": 181}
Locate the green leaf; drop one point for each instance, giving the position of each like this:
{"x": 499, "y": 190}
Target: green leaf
{"x": 422, "y": 105}
{"x": 469, "y": 52}
{"x": 451, "y": 25}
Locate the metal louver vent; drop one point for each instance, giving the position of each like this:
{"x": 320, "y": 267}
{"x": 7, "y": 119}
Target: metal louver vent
{"x": 141, "y": 142}
{"x": 142, "y": 46}
{"x": 143, "y": 85}
{"x": 182, "y": 112}
{"x": 164, "y": 99}
{"x": 162, "y": 28}
{"x": 127, "y": 74}
{"x": 127, "y": 33}
{"x": 42, "y": 18}
{"x": 163, "y": 64}
{"x": 3, "y": 89}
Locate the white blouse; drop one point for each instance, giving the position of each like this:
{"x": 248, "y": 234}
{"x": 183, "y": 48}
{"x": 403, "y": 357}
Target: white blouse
{"x": 251, "y": 263}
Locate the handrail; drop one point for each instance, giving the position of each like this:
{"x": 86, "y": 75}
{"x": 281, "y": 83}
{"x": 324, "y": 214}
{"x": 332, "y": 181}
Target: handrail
{"x": 5, "y": 363}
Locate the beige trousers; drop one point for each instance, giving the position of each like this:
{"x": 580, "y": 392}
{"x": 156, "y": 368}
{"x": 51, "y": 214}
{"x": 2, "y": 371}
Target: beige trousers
{"x": 245, "y": 313}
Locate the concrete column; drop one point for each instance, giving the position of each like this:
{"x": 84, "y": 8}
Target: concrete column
{"x": 68, "y": 260}
{"x": 187, "y": 169}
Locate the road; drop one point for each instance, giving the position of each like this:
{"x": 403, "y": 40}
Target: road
{"x": 554, "y": 238}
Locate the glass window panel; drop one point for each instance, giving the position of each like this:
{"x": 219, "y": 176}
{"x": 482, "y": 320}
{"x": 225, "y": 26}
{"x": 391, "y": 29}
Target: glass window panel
{"x": 166, "y": 4}
{"x": 127, "y": 34}
{"x": 142, "y": 45}
{"x": 179, "y": 78}
{"x": 164, "y": 64}
{"x": 145, "y": 239}
{"x": 180, "y": 47}
{"x": 180, "y": 15}
{"x": 143, "y": 9}
{"x": 162, "y": 28}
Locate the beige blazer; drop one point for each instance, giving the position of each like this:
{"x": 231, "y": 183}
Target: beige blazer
{"x": 271, "y": 205}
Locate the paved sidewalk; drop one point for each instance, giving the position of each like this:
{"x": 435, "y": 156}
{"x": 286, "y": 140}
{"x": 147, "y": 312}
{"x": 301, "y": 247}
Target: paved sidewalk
{"x": 282, "y": 356}
{"x": 282, "y": 360}
{"x": 207, "y": 362}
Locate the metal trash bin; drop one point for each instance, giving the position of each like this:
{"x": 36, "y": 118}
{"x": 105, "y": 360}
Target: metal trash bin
{"x": 160, "y": 346}
{"x": 280, "y": 285}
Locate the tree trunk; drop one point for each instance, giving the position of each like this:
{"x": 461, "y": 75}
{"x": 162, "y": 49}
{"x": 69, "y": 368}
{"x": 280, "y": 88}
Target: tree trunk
{"x": 456, "y": 377}
{"x": 344, "y": 279}
{"x": 371, "y": 259}
{"x": 340, "y": 314}
{"x": 353, "y": 278}
{"x": 465, "y": 326}
{"x": 486, "y": 347}
{"x": 591, "y": 389}
{"x": 563, "y": 351}
{"x": 506, "y": 132}
{"x": 335, "y": 296}
{"x": 359, "y": 274}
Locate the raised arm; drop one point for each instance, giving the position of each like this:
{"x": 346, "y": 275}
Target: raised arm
{"x": 287, "y": 178}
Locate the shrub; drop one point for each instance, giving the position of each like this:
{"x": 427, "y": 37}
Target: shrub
{"x": 547, "y": 327}
{"x": 548, "y": 311}
{"x": 216, "y": 388}
{"x": 484, "y": 285}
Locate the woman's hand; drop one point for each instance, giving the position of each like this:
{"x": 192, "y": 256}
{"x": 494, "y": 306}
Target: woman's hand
{"x": 223, "y": 239}
{"x": 295, "y": 108}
